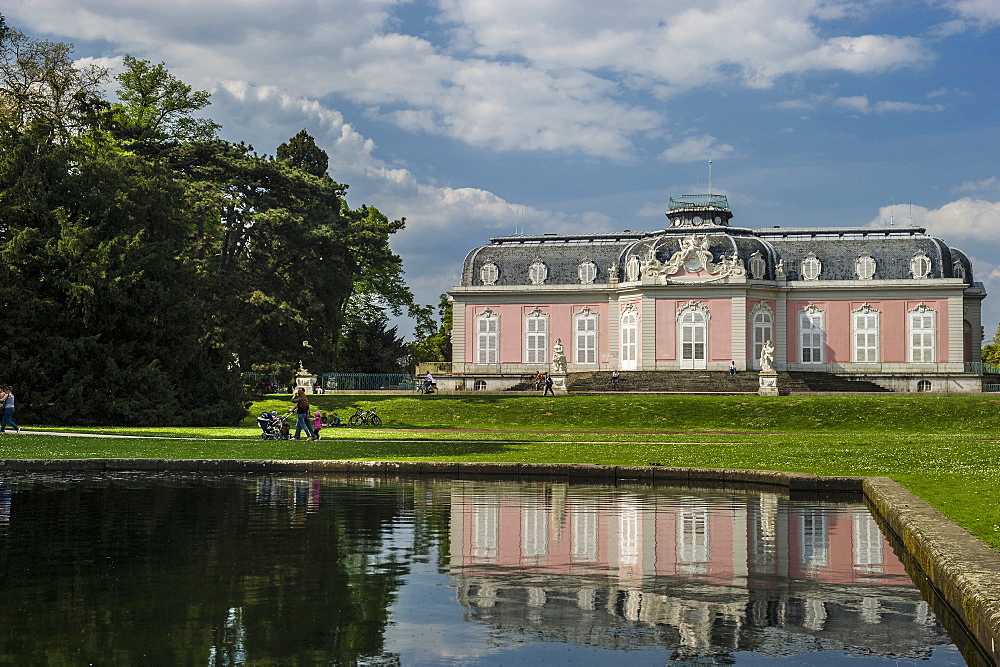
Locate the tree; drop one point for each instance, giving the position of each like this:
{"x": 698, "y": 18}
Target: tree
{"x": 102, "y": 324}
{"x": 154, "y": 104}
{"x": 145, "y": 257}
{"x": 991, "y": 351}
{"x": 369, "y": 345}
{"x": 432, "y": 339}
{"x": 40, "y": 85}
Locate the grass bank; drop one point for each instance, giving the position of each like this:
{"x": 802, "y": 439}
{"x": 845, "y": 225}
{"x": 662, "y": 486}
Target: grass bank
{"x": 943, "y": 448}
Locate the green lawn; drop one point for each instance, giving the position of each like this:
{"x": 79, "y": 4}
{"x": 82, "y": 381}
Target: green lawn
{"x": 943, "y": 448}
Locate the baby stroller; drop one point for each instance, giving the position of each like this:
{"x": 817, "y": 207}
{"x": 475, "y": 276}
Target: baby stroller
{"x": 271, "y": 426}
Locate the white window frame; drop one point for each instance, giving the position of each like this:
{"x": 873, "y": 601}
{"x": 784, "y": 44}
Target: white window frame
{"x": 865, "y": 266}
{"x": 959, "y": 271}
{"x": 811, "y": 268}
{"x": 814, "y": 527}
{"x": 865, "y": 322}
{"x": 536, "y": 337}
{"x": 587, "y": 272}
{"x": 692, "y": 335}
{"x": 920, "y": 265}
{"x": 585, "y": 336}
{"x": 629, "y": 330}
{"x": 487, "y": 338}
{"x": 538, "y": 272}
{"x": 812, "y": 335}
{"x": 489, "y": 273}
{"x": 921, "y": 325}
{"x": 761, "y": 330}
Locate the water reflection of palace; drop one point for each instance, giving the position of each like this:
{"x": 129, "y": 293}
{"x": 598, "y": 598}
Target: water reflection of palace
{"x": 708, "y": 573}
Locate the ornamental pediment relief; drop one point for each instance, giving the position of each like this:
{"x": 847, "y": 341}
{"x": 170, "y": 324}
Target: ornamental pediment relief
{"x": 692, "y": 263}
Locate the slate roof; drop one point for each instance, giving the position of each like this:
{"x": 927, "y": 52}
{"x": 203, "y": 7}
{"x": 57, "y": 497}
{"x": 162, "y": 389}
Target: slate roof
{"x": 892, "y": 248}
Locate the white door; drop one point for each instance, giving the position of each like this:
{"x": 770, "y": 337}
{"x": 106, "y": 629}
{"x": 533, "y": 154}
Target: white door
{"x": 761, "y": 334}
{"x": 630, "y": 341}
{"x": 693, "y": 337}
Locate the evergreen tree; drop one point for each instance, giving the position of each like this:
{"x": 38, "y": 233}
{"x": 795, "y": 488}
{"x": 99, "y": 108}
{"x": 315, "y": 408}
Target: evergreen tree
{"x": 433, "y": 339}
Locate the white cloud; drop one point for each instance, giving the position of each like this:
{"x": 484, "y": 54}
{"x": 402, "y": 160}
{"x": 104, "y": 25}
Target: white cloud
{"x": 860, "y": 104}
{"x": 991, "y": 184}
{"x": 964, "y": 219}
{"x": 692, "y": 149}
{"x": 856, "y": 103}
{"x": 985, "y": 13}
{"x": 525, "y": 75}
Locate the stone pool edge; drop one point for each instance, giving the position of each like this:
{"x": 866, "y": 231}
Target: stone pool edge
{"x": 960, "y": 568}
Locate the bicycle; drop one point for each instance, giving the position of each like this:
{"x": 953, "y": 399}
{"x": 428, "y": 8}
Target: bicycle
{"x": 364, "y": 418}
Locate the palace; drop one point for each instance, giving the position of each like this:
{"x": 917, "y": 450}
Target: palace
{"x": 893, "y": 305}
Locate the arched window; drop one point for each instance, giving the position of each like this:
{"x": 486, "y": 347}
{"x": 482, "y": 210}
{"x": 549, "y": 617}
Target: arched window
{"x": 864, "y": 267}
{"x": 920, "y": 265}
{"x": 959, "y": 271}
{"x": 538, "y": 272}
{"x": 488, "y": 337}
{"x": 811, "y": 267}
{"x": 812, "y": 335}
{"x": 489, "y": 273}
{"x": 536, "y": 337}
{"x": 587, "y": 272}
{"x": 923, "y": 334}
{"x": 692, "y": 334}
{"x": 924, "y": 385}
{"x": 630, "y": 338}
{"x": 866, "y": 335}
{"x": 761, "y": 330}
{"x": 479, "y": 385}
{"x": 585, "y": 349}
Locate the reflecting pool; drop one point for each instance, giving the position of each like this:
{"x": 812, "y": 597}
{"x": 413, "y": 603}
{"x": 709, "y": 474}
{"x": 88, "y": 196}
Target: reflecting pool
{"x": 225, "y": 570}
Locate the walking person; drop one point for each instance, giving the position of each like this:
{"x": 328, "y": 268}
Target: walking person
{"x": 317, "y": 424}
{"x": 301, "y": 408}
{"x": 7, "y": 397}
{"x": 548, "y": 385}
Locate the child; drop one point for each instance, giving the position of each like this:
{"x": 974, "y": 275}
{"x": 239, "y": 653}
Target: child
{"x": 317, "y": 424}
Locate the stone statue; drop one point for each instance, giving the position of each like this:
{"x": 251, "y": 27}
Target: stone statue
{"x": 558, "y": 357}
{"x": 767, "y": 358}
{"x": 779, "y": 270}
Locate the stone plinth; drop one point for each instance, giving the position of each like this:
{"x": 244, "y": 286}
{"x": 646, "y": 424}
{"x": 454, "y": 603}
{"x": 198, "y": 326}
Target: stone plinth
{"x": 305, "y": 380}
{"x": 559, "y": 383}
{"x": 768, "y": 384}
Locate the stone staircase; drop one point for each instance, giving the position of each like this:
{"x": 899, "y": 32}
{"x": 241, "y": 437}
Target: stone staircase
{"x": 716, "y": 382}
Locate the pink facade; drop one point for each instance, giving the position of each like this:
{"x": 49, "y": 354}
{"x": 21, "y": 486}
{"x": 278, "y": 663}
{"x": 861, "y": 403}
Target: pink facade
{"x": 632, "y": 540}
{"x": 721, "y": 345}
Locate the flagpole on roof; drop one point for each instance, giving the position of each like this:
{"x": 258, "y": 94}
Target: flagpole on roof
{"x": 710, "y": 178}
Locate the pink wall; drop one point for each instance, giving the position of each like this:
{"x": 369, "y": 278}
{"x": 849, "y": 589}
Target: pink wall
{"x": 720, "y": 328}
{"x": 893, "y": 325}
{"x": 512, "y": 328}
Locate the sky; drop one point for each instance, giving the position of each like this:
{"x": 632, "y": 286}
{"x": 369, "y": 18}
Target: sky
{"x": 482, "y": 118}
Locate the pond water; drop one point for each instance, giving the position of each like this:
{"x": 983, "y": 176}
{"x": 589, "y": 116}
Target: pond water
{"x": 225, "y": 570}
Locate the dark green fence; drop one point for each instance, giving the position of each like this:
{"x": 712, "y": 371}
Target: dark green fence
{"x": 367, "y": 382}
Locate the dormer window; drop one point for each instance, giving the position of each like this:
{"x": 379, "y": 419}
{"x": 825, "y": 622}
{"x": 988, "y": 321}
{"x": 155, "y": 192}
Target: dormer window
{"x": 959, "y": 272}
{"x": 811, "y": 267}
{"x": 489, "y": 273}
{"x": 920, "y": 265}
{"x": 587, "y": 272}
{"x": 632, "y": 268}
{"x": 538, "y": 272}
{"x": 864, "y": 267}
{"x": 757, "y": 265}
